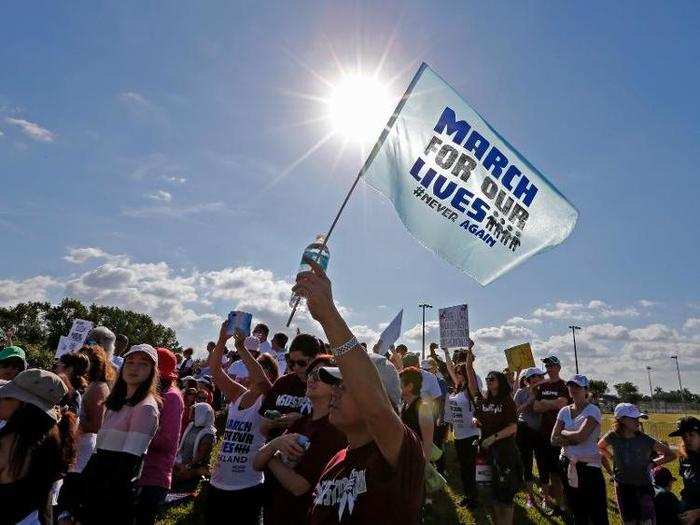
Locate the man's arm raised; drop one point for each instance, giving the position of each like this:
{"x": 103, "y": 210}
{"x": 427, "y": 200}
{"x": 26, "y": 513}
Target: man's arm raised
{"x": 360, "y": 376}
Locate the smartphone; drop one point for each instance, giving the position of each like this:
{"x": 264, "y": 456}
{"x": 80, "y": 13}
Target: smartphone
{"x": 240, "y": 320}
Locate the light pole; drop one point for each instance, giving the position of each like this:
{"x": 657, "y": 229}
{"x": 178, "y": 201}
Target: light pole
{"x": 573, "y": 333}
{"x": 424, "y": 306}
{"x": 678, "y": 371}
{"x": 651, "y": 390}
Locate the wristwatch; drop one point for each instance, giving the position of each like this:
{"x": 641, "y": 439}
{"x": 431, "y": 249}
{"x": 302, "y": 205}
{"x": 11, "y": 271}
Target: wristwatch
{"x": 345, "y": 347}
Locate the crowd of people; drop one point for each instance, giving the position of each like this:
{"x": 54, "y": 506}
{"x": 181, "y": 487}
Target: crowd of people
{"x": 324, "y": 432}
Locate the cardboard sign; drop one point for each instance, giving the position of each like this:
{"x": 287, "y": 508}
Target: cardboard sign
{"x": 454, "y": 326}
{"x": 390, "y": 334}
{"x": 66, "y": 345}
{"x": 75, "y": 338}
{"x": 519, "y": 357}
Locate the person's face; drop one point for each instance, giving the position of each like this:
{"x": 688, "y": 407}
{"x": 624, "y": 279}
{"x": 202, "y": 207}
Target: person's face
{"x": 8, "y": 371}
{"x": 260, "y": 334}
{"x": 203, "y": 395}
{"x": 630, "y": 424}
{"x": 60, "y": 368}
{"x": 317, "y": 390}
{"x": 691, "y": 440}
{"x": 492, "y": 385}
{"x": 298, "y": 363}
{"x": 552, "y": 370}
{"x": 344, "y": 412}
{"x": 535, "y": 380}
{"x": 137, "y": 369}
{"x": 8, "y": 406}
{"x": 576, "y": 392}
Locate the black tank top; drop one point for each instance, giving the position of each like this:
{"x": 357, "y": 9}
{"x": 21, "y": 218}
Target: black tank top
{"x": 409, "y": 416}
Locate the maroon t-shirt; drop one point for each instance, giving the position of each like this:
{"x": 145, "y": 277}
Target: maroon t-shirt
{"x": 358, "y": 486}
{"x": 494, "y": 415}
{"x": 285, "y": 508}
{"x": 288, "y": 394}
{"x": 551, "y": 390}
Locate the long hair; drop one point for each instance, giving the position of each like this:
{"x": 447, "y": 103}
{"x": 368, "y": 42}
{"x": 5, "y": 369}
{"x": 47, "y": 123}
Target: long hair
{"x": 461, "y": 370}
{"x": 79, "y": 364}
{"x": 504, "y": 389}
{"x": 320, "y": 360}
{"x": 269, "y": 365}
{"x": 117, "y": 396}
{"x": 47, "y": 448}
{"x": 100, "y": 369}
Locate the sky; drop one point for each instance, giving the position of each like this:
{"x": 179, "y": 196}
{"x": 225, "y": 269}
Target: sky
{"x": 169, "y": 158}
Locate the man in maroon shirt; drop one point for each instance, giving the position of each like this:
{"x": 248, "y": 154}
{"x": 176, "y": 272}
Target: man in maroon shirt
{"x": 550, "y": 396}
{"x": 379, "y": 477}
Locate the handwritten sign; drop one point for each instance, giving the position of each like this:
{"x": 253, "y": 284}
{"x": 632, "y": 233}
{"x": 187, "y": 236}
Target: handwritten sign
{"x": 454, "y": 326}
{"x": 520, "y": 357}
{"x": 75, "y": 338}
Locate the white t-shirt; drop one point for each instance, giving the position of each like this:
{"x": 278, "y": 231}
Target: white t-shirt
{"x": 460, "y": 412}
{"x": 431, "y": 387}
{"x": 241, "y": 441}
{"x": 266, "y": 348}
{"x": 281, "y": 363}
{"x": 588, "y": 450}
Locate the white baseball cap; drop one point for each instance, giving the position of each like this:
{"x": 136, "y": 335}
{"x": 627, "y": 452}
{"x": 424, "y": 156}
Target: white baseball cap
{"x": 628, "y": 410}
{"x": 143, "y": 348}
{"x": 579, "y": 380}
{"x": 532, "y": 371}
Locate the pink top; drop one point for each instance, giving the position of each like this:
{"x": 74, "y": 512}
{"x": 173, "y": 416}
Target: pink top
{"x": 130, "y": 429}
{"x": 158, "y": 463}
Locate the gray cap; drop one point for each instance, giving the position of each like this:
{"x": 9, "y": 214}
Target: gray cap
{"x": 387, "y": 373}
{"x": 40, "y": 388}
{"x": 104, "y": 337}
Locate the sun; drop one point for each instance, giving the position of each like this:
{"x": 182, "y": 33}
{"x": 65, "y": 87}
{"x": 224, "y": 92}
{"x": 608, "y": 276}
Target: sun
{"x": 359, "y": 107}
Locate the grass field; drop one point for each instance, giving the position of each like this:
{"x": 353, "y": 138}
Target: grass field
{"x": 446, "y": 509}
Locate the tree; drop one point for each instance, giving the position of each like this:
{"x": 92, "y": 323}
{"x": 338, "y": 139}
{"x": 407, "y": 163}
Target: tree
{"x": 38, "y": 326}
{"x": 627, "y": 392}
{"x": 597, "y": 388}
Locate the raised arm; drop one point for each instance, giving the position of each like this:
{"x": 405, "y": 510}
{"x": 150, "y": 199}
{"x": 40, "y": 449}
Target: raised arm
{"x": 451, "y": 368}
{"x": 255, "y": 369}
{"x": 230, "y": 388}
{"x": 360, "y": 377}
{"x": 472, "y": 383}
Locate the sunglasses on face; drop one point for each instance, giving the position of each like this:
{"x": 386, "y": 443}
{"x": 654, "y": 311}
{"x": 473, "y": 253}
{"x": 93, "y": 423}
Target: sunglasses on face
{"x": 491, "y": 379}
{"x": 298, "y": 362}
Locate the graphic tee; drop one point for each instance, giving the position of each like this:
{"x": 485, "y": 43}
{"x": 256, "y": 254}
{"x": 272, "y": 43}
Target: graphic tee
{"x": 632, "y": 458}
{"x": 358, "y": 486}
{"x": 241, "y": 441}
{"x": 551, "y": 390}
{"x": 459, "y": 411}
{"x": 285, "y": 508}
{"x": 288, "y": 394}
{"x": 494, "y": 415}
{"x": 689, "y": 470}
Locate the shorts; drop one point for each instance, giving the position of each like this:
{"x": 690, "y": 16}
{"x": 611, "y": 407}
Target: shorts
{"x": 550, "y": 463}
{"x": 636, "y": 503}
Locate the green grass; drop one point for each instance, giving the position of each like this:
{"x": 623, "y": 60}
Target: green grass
{"x": 446, "y": 509}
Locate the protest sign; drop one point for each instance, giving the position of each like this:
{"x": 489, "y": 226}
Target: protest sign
{"x": 454, "y": 326}
{"x": 75, "y": 338}
{"x": 460, "y": 188}
{"x": 240, "y": 320}
{"x": 520, "y": 357}
{"x": 390, "y": 334}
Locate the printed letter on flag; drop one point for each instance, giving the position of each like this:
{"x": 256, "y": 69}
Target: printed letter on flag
{"x": 460, "y": 188}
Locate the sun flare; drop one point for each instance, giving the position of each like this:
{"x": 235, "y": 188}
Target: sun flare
{"x": 359, "y": 107}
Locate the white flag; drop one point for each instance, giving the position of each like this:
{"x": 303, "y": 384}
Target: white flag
{"x": 390, "y": 334}
{"x": 460, "y": 188}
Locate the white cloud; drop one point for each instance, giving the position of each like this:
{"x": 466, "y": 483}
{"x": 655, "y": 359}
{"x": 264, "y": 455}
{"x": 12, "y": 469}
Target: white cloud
{"x": 692, "y": 323}
{"x": 80, "y": 255}
{"x": 33, "y": 289}
{"x": 654, "y": 332}
{"x": 522, "y": 321}
{"x": 131, "y": 97}
{"x": 161, "y": 196}
{"x": 174, "y": 212}
{"x": 501, "y": 334}
{"x": 644, "y": 303}
{"x": 32, "y": 129}
{"x": 580, "y": 312}
{"x": 174, "y": 179}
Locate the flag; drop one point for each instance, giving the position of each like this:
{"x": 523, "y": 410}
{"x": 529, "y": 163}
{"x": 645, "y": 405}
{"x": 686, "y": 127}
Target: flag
{"x": 390, "y": 334}
{"x": 460, "y": 188}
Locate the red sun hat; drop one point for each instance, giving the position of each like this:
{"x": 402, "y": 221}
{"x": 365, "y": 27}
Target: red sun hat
{"x": 167, "y": 364}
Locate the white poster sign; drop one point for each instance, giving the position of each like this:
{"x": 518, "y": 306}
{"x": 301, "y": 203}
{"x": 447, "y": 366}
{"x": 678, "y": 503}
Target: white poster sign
{"x": 390, "y": 334}
{"x": 454, "y": 326}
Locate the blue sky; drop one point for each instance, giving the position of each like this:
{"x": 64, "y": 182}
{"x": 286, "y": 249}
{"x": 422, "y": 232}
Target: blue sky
{"x": 145, "y": 156}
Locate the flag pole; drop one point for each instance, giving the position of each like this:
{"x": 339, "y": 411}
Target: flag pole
{"x": 375, "y": 149}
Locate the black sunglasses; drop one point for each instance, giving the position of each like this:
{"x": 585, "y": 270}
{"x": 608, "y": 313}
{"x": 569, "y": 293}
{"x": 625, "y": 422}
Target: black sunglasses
{"x": 298, "y": 362}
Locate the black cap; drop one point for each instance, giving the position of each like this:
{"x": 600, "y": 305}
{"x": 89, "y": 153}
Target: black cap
{"x": 687, "y": 424}
{"x": 551, "y": 360}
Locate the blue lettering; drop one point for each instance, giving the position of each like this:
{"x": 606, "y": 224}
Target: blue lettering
{"x": 439, "y": 189}
{"x": 458, "y": 201}
{"x": 523, "y": 189}
{"x": 417, "y": 166}
{"x": 497, "y": 160}
{"x": 477, "y": 144}
{"x": 511, "y": 173}
{"x": 448, "y": 120}
{"x": 429, "y": 176}
{"x": 479, "y": 208}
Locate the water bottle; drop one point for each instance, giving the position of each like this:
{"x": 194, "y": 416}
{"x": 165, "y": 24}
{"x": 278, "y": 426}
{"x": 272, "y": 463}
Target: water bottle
{"x": 316, "y": 251}
{"x": 304, "y": 443}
